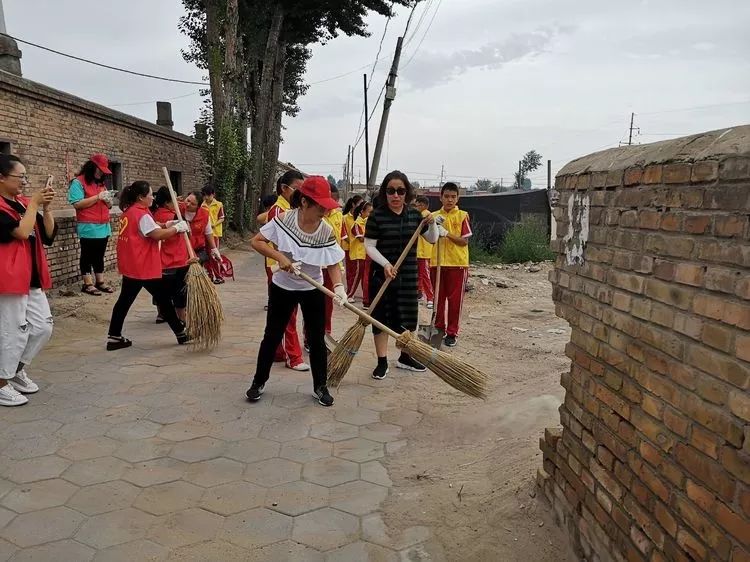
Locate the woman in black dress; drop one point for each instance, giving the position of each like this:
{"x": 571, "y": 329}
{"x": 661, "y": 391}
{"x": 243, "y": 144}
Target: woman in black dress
{"x": 388, "y": 230}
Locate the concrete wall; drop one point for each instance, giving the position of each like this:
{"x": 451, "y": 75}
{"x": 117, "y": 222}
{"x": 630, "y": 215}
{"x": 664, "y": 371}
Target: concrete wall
{"x": 652, "y": 462}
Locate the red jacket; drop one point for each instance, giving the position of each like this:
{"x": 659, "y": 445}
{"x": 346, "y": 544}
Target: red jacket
{"x": 137, "y": 255}
{"x": 98, "y": 213}
{"x": 15, "y": 258}
{"x": 173, "y": 250}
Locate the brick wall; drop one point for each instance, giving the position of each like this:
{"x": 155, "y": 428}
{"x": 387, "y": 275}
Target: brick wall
{"x": 652, "y": 462}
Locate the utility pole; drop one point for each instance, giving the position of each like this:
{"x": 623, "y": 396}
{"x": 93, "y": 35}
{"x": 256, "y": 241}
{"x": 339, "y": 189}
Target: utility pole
{"x": 442, "y": 174}
{"x": 520, "y": 176}
{"x": 632, "y": 128}
{"x": 549, "y": 174}
{"x": 367, "y": 137}
{"x": 390, "y": 95}
{"x": 351, "y": 171}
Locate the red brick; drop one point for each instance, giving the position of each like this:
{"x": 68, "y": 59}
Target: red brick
{"x": 705, "y": 441}
{"x": 633, "y": 175}
{"x": 737, "y": 314}
{"x": 697, "y": 224}
{"x": 671, "y": 222}
{"x": 652, "y": 174}
{"x": 700, "y": 496}
{"x": 730, "y": 226}
{"x": 728, "y": 197}
{"x": 614, "y": 178}
{"x": 735, "y": 525}
{"x": 745, "y": 501}
{"x": 709, "y": 305}
{"x": 743, "y": 288}
{"x": 739, "y": 404}
{"x": 740, "y": 555}
{"x": 649, "y": 220}
{"x": 718, "y": 336}
{"x": 677, "y": 423}
{"x": 689, "y": 274}
{"x": 714, "y": 418}
{"x": 677, "y": 173}
{"x": 665, "y": 518}
{"x": 704, "y": 171}
{"x": 722, "y": 366}
{"x": 742, "y": 347}
{"x": 701, "y": 524}
{"x": 706, "y": 470}
{"x": 669, "y": 293}
{"x": 736, "y": 463}
{"x": 721, "y": 279}
{"x": 690, "y": 326}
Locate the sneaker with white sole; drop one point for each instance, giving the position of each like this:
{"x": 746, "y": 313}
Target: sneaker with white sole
{"x": 323, "y": 396}
{"x": 430, "y": 305}
{"x": 298, "y": 367}
{"x": 254, "y": 392}
{"x": 22, "y": 383}
{"x": 408, "y": 363}
{"x": 9, "y": 396}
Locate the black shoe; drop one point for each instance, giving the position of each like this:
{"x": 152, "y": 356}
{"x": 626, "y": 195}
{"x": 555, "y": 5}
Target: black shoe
{"x": 118, "y": 342}
{"x": 183, "y": 338}
{"x": 160, "y": 320}
{"x": 254, "y": 392}
{"x": 380, "y": 371}
{"x": 450, "y": 341}
{"x": 408, "y": 363}
{"x": 307, "y": 347}
{"x": 323, "y": 396}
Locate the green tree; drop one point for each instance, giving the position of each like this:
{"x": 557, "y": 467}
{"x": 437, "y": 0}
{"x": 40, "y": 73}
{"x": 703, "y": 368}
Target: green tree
{"x": 498, "y": 187}
{"x": 484, "y": 184}
{"x": 530, "y": 162}
{"x": 331, "y": 179}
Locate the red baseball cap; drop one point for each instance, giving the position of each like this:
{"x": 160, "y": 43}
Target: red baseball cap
{"x": 102, "y": 162}
{"x": 318, "y": 189}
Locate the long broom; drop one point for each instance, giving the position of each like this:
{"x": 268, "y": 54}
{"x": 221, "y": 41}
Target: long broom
{"x": 204, "y": 314}
{"x": 348, "y": 346}
{"x": 461, "y": 376}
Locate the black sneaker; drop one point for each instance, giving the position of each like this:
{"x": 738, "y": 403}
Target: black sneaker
{"x": 323, "y": 396}
{"x": 117, "y": 342}
{"x": 160, "y": 320}
{"x": 450, "y": 341}
{"x": 408, "y": 363}
{"x": 380, "y": 371}
{"x": 183, "y": 338}
{"x": 254, "y": 392}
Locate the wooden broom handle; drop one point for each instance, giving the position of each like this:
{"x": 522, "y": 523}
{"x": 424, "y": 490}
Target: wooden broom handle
{"x": 398, "y": 263}
{"x": 437, "y": 287}
{"x": 176, "y": 204}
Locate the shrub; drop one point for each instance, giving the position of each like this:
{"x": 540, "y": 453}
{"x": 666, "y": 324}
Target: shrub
{"x": 526, "y": 241}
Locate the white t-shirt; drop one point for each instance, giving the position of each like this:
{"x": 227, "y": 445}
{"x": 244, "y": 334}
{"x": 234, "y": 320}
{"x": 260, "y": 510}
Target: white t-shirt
{"x": 147, "y": 224}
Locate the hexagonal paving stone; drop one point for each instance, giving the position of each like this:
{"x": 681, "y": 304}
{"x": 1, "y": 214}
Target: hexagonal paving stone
{"x": 89, "y": 448}
{"x": 184, "y": 431}
{"x": 95, "y": 471}
{"x": 133, "y": 551}
{"x": 39, "y": 495}
{"x": 236, "y": 430}
{"x": 39, "y": 527}
{"x": 39, "y": 446}
{"x": 144, "y": 450}
{"x": 273, "y": 472}
{"x": 374, "y": 530}
{"x": 141, "y": 429}
{"x": 6, "y": 516}
{"x": 102, "y": 498}
{"x": 330, "y": 471}
{"x": 124, "y": 413}
{"x": 234, "y": 497}
{"x": 61, "y": 550}
{"x": 82, "y": 430}
{"x": 296, "y": 498}
{"x": 362, "y": 552}
{"x": 380, "y": 432}
{"x": 6, "y": 550}
{"x": 186, "y": 527}
{"x": 256, "y": 528}
{"x": 171, "y": 414}
{"x": 356, "y": 416}
{"x": 251, "y": 450}
{"x": 210, "y": 551}
{"x": 166, "y": 498}
{"x": 115, "y": 527}
{"x": 157, "y": 471}
{"x": 358, "y": 498}
{"x": 376, "y": 473}
{"x": 395, "y": 446}
{"x": 305, "y": 450}
{"x": 29, "y": 430}
{"x": 358, "y": 450}
{"x": 399, "y": 416}
{"x": 286, "y": 551}
{"x": 285, "y": 431}
{"x": 201, "y": 449}
{"x": 334, "y": 431}
{"x": 325, "y": 528}
{"x": 32, "y": 470}
{"x": 214, "y": 472}
{"x": 293, "y": 400}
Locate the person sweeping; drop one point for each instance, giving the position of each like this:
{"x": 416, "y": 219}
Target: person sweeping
{"x": 174, "y": 255}
{"x": 139, "y": 262}
{"x": 302, "y": 242}
{"x": 351, "y": 267}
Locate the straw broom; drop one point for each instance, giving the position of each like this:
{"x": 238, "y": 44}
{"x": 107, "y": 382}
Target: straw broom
{"x": 461, "y": 376}
{"x": 348, "y": 346}
{"x": 204, "y": 314}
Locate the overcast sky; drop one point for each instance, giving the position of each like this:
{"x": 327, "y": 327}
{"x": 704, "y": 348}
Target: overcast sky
{"x": 481, "y": 81}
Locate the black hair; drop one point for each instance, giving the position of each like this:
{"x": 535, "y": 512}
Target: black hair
{"x": 449, "y": 186}
{"x": 7, "y": 163}
{"x": 352, "y": 202}
{"x": 161, "y": 198}
{"x": 287, "y": 178}
{"x": 422, "y": 199}
{"x": 131, "y": 193}
{"x": 268, "y": 201}
{"x": 298, "y": 197}
{"x": 208, "y": 190}
{"x": 359, "y": 208}
{"x": 198, "y": 196}
{"x": 382, "y": 198}
{"x": 88, "y": 171}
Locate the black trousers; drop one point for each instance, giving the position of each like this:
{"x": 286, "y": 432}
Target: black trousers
{"x": 128, "y": 293}
{"x": 92, "y": 255}
{"x": 281, "y": 303}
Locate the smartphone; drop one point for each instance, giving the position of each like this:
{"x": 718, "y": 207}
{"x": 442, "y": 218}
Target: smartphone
{"x": 50, "y": 178}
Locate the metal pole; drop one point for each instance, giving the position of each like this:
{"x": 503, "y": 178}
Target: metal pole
{"x": 520, "y": 177}
{"x": 367, "y": 137}
{"x": 390, "y": 95}
{"x": 549, "y": 174}
{"x": 630, "y": 137}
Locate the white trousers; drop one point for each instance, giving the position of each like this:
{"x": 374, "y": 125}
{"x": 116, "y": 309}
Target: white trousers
{"x": 25, "y": 327}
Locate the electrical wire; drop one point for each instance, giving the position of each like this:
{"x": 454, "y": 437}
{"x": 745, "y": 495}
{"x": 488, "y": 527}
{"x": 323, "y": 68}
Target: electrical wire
{"x": 437, "y": 8}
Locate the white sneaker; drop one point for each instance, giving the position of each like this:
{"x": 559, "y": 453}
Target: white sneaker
{"x": 299, "y": 367}
{"x": 9, "y": 396}
{"x": 429, "y": 305}
{"x": 22, "y": 383}
{"x": 351, "y": 299}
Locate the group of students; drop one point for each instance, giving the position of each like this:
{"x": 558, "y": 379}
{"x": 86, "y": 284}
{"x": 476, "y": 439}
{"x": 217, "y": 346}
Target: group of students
{"x": 305, "y": 231}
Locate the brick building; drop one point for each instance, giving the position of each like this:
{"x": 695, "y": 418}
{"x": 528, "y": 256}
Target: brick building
{"x": 54, "y": 133}
{"x": 653, "y": 274}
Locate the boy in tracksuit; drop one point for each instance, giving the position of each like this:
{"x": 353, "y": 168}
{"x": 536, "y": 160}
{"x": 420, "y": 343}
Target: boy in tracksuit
{"x": 424, "y": 255}
{"x": 453, "y": 246}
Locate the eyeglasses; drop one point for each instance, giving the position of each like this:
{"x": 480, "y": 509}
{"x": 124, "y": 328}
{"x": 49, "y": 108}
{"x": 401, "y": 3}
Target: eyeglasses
{"x": 393, "y": 191}
{"x": 22, "y": 177}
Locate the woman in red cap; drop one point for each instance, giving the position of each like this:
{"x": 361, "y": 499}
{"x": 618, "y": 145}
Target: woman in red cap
{"x": 304, "y": 242}
{"x": 92, "y": 201}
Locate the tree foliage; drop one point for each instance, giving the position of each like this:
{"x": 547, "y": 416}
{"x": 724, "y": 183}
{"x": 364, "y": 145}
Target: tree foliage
{"x": 530, "y": 162}
{"x": 484, "y": 184}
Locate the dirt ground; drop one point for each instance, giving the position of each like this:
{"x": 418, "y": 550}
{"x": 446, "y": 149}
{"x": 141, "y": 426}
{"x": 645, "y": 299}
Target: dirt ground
{"x": 468, "y": 472}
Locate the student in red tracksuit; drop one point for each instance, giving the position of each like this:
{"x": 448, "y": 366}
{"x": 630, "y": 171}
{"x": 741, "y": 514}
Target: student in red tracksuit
{"x": 139, "y": 262}
{"x": 358, "y": 255}
{"x": 424, "y": 255}
{"x": 350, "y": 266}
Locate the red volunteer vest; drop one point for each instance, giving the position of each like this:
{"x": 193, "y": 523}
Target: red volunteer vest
{"x": 15, "y": 258}
{"x": 137, "y": 255}
{"x": 98, "y": 213}
{"x": 173, "y": 250}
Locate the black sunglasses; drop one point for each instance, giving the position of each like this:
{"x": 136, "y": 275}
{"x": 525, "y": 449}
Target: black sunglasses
{"x": 393, "y": 191}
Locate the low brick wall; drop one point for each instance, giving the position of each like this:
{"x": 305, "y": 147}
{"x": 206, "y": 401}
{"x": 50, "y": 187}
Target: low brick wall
{"x": 652, "y": 462}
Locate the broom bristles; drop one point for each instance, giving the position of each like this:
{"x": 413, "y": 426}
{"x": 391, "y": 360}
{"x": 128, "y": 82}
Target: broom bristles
{"x": 341, "y": 358}
{"x": 204, "y": 314}
{"x": 458, "y": 374}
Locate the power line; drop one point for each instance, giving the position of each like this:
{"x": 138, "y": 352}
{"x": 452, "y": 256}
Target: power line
{"x": 152, "y": 101}
{"x": 81, "y": 59}
{"x": 437, "y": 8}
